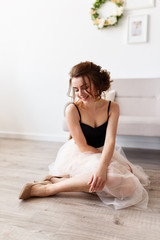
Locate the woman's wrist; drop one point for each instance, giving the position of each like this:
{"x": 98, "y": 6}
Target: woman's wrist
{"x": 104, "y": 163}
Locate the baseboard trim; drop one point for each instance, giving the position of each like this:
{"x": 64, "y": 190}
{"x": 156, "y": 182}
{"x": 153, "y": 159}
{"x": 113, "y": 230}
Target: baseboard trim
{"x": 138, "y": 142}
{"x": 34, "y": 137}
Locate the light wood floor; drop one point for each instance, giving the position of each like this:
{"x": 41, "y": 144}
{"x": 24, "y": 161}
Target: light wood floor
{"x": 78, "y": 216}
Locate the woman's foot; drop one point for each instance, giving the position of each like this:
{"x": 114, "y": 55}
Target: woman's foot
{"x": 37, "y": 189}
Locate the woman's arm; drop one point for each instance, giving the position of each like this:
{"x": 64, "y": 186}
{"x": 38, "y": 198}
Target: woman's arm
{"x": 98, "y": 179}
{"x": 111, "y": 131}
{"x": 73, "y": 119}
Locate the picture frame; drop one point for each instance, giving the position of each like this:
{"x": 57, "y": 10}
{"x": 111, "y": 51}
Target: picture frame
{"x": 137, "y": 28}
{"x": 139, "y": 4}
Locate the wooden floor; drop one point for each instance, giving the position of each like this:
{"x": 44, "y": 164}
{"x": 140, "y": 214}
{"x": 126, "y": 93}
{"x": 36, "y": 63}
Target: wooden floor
{"x": 78, "y": 216}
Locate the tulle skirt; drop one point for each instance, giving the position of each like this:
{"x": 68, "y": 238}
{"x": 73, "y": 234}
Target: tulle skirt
{"x": 125, "y": 181}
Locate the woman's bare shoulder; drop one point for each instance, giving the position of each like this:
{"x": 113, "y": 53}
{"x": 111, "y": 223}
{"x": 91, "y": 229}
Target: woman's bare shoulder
{"x": 114, "y": 104}
{"x": 71, "y": 110}
{"x": 115, "y": 107}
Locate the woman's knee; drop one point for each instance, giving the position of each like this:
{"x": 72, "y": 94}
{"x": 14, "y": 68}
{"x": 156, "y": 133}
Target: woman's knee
{"x": 122, "y": 187}
{"x": 128, "y": 189}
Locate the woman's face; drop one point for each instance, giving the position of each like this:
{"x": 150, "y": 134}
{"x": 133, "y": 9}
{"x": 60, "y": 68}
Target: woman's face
{"x": 83, "y": 89}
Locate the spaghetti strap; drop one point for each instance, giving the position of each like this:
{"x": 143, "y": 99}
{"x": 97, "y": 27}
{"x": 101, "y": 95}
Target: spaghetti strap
{"x": 78, "y": 110}
{"x": 109, "y": 107}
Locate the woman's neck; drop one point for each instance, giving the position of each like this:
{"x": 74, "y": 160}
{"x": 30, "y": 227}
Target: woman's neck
{"x": 93, "y": 105}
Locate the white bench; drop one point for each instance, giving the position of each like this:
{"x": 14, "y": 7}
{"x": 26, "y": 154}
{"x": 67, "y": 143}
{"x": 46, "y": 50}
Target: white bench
{"x": 139, "y": 101}
{"x": 139, "y": 121}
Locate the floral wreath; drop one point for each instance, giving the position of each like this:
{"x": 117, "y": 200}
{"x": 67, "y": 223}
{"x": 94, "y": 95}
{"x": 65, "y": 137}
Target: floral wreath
{"x": 111, "y": 20}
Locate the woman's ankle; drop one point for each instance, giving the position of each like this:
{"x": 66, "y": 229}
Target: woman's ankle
{"x": 39, "y": 190}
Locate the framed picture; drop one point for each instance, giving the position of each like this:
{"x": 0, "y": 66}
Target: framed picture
{"x": 137, "y": 29}
{"x": 136, "y": 4}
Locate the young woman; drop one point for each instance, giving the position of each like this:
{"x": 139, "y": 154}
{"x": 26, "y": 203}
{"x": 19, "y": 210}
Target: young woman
{"x": 89, "y": 162}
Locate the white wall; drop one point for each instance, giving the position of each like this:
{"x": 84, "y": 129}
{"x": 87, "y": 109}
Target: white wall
{"x": 40, "y": 40}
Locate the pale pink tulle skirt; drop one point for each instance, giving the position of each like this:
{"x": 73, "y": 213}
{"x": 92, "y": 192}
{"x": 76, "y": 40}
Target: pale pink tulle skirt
{"x": 71, "y": 161}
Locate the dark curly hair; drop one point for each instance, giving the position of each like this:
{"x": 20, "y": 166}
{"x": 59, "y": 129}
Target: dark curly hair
{"x": 95, "y": 74}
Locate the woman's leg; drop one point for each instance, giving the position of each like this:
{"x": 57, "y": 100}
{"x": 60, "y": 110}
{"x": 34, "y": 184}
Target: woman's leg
{"x": 74, "y": 184}
{"x": 120, "y": 186}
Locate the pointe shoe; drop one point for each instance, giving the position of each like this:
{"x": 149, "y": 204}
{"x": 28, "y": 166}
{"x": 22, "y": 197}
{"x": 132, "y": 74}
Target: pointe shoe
{"x": 26, "y": 191}
{"x": 48, "y": 178}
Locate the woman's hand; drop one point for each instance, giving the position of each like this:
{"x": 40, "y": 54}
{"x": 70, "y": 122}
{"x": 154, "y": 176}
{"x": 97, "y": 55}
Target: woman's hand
{"x": 98, "y": 180}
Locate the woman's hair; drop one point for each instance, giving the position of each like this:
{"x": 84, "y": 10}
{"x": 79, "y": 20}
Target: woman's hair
{"x": 95, "y": 74}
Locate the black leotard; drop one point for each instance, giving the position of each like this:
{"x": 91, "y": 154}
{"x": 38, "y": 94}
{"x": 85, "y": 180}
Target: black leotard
{"x": 95, "y": 137}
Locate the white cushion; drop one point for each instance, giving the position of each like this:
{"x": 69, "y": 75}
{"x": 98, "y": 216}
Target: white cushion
{"x": 139, "y": 106}
{"x": 139, "y": 126}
